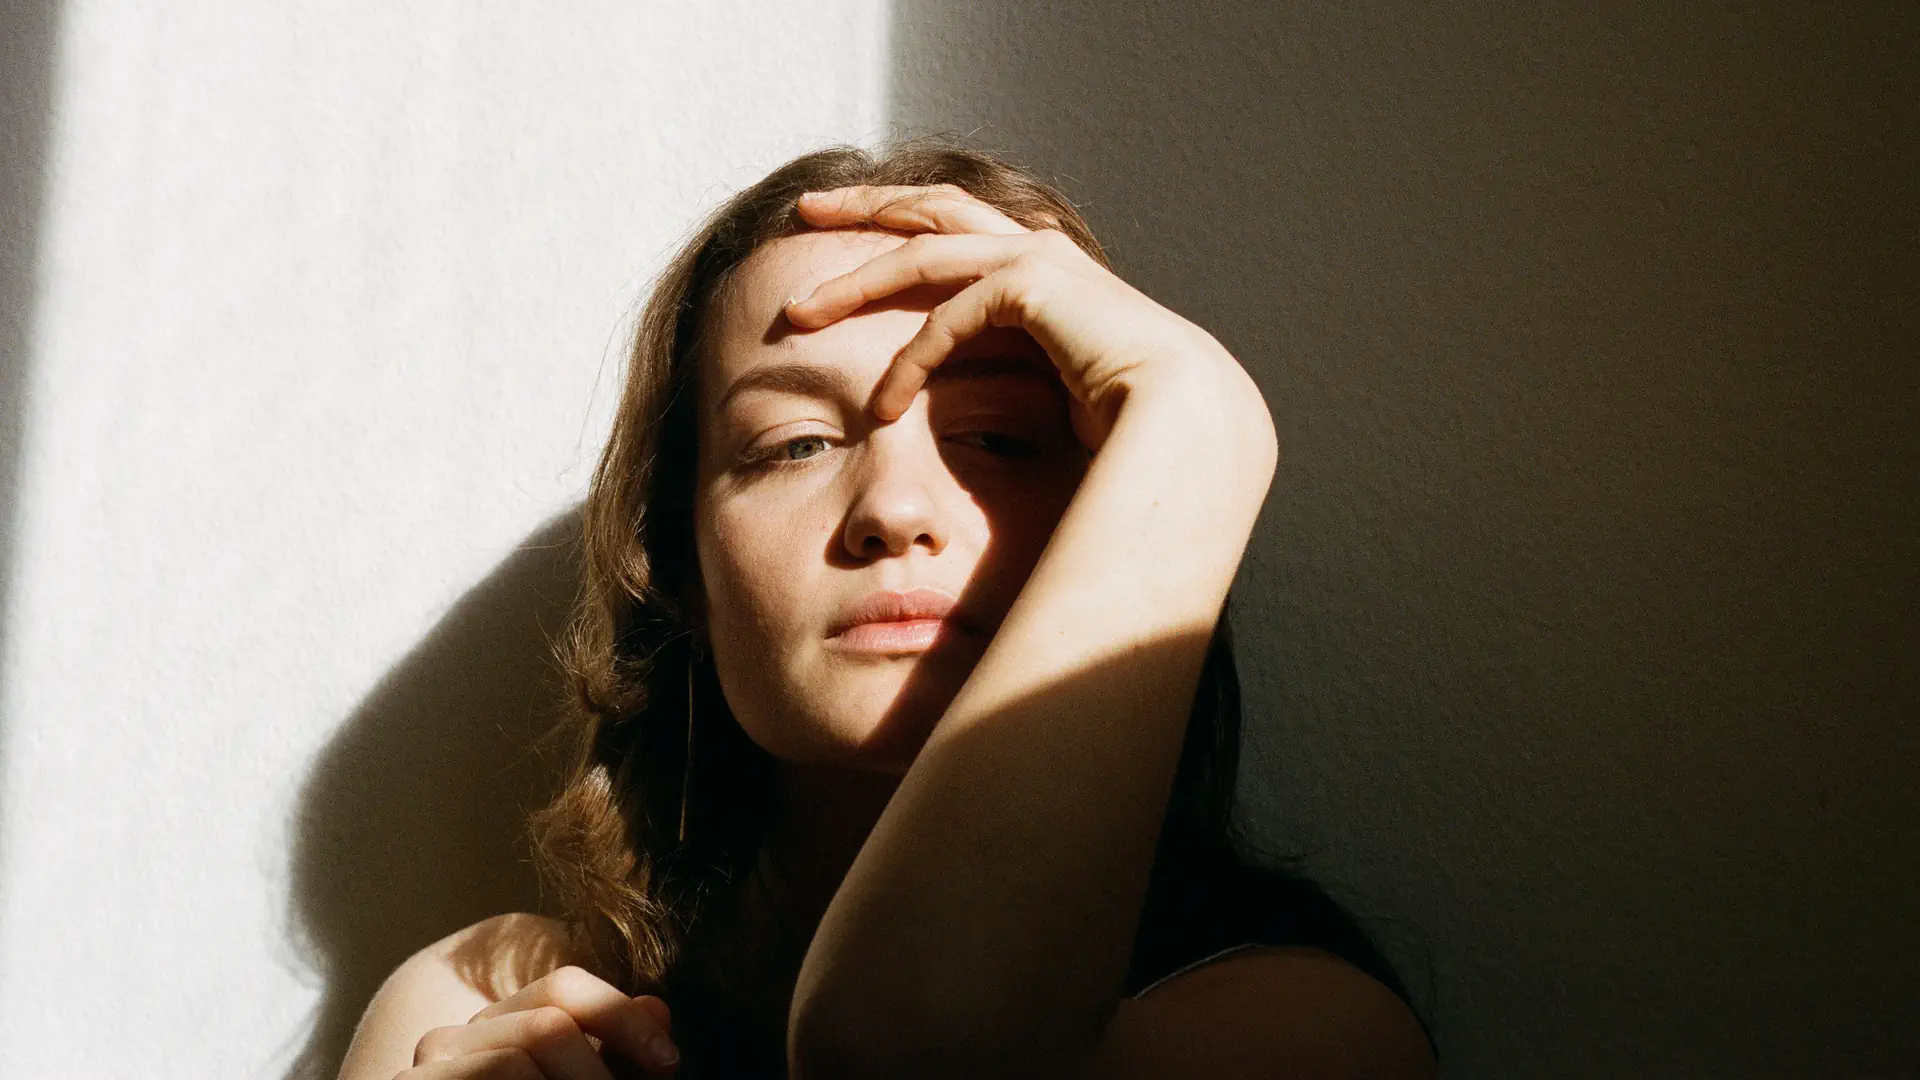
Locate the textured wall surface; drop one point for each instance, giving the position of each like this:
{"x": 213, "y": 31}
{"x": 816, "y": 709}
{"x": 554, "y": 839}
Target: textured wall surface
{"x": 324, "y": 318}
{"x": 1578, "y": 635}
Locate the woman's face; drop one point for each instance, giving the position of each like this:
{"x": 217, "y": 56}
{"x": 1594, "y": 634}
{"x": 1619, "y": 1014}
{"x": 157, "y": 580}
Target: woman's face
{"x": 959, "y": 494}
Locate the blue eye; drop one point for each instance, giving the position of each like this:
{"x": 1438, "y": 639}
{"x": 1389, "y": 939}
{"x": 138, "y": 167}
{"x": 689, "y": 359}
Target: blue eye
{"x": 774, "y": 456}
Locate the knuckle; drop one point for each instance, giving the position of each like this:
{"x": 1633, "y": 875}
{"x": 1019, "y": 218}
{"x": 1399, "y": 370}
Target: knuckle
{"x": 940, "y": 322}
{"x": 1056, "y": 242}
{"x": 431, "y": 1046}
{"x": 511, "y": 1063}
{"x": 571, "y": 982}
{"x": 549, "y": 1024}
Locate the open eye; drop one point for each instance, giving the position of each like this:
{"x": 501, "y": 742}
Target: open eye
{"x": 778, "y": 455}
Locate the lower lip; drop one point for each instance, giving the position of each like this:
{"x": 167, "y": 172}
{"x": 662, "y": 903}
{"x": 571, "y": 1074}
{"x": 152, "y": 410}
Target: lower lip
{"x": 918, "y": 635}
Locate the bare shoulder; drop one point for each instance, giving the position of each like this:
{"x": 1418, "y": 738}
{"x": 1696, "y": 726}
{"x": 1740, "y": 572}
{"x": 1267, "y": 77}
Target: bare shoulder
{"x": 496, "y": 957}
{"x": 445, "y": 983}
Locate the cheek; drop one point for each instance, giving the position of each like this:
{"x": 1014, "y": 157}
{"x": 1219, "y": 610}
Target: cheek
{"x": 755, "y": 567}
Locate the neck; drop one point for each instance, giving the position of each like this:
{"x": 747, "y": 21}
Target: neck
{"x": 823, "y": 816}
{"x": 826, "y": 815}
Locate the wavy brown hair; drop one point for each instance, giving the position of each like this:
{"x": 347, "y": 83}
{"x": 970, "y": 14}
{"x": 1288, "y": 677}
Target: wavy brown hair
{"x": 652, "y": 914}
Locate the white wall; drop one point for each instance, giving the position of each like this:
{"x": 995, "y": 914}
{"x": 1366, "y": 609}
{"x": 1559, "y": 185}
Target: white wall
{"x": 323, "y": 325}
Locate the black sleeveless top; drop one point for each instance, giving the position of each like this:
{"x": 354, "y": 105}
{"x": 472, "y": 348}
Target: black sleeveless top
{"x": 1217, "y": 906}
{"x": 1191, "y": 917}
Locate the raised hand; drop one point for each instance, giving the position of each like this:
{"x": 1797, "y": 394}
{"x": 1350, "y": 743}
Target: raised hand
{"x": 1106, "y": 337}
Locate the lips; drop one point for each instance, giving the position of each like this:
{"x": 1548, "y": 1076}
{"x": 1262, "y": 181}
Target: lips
{"x": 887, "y": 606}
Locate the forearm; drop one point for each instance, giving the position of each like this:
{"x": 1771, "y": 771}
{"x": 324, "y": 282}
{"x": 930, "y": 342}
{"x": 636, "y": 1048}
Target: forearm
{"x": 994, "y": 905}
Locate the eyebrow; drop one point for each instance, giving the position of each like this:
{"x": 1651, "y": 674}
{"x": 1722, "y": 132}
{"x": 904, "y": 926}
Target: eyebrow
{"x": 822, "y": 381}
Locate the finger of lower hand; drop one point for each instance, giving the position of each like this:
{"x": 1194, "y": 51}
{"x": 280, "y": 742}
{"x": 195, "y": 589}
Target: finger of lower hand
{"x": 924, "y": 260}
{"x": 600, "y": 1009}
{"x": 987, "y": 302}
{"x": 509, "y": 1064}
{"x": 546, "y": 1034}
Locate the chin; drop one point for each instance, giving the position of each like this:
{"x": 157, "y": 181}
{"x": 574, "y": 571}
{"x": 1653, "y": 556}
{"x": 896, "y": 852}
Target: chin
{"x": 864, "y": 716}
{"x": 887, "y": 747}
{"x": 884, "y": 741}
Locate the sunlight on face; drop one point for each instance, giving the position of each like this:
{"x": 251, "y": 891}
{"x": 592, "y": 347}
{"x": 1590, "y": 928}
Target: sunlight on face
{"x": 806, "y": 503}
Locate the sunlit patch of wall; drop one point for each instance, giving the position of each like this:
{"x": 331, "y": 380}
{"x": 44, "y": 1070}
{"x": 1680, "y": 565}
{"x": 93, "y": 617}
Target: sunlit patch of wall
{"x": 325, "y": 333}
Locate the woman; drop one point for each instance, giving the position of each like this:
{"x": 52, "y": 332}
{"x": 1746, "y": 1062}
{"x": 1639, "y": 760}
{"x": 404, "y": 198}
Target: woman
{"x": 907, "y": 722}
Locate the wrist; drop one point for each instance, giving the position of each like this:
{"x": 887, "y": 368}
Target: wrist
{"x": 1209, "y": 411}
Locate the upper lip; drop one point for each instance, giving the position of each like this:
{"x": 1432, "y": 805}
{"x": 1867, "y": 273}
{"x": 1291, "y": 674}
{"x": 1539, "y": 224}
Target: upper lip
{"x": 885, "y": 605}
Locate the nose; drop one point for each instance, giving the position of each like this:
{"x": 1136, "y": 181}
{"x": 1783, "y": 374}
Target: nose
{"x": 899, "y": 490}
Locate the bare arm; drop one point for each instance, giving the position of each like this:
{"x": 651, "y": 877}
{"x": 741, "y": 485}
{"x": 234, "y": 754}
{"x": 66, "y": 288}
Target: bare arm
{"x": 995, "y": 904}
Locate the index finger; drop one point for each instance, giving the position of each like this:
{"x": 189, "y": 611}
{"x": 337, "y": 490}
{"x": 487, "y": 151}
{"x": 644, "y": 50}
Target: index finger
{"x": 944, "y": 208}
{"x": 600, "y": 1009}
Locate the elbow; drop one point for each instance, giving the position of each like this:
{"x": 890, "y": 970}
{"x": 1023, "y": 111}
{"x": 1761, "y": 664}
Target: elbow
{"x": 882, "y": 1044}
{"x": 836, "y": 1039}
{"x": 819, "y": 1049}
{"x": 848, "y": 1023}
{"x": 845, "y": 1023}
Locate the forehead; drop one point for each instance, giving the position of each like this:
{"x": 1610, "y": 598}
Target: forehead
{"x": 751, "y": 331}
{"x": 796, "y": 265}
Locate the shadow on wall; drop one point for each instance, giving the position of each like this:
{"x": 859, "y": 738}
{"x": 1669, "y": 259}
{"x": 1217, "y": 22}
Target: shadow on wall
{"x": 1173, "y": 129}
{"x": 28, "y": 43}
{"x": 29, "y": 34}
{"x": 1579, "y": 625}
{"x": 410, "y": 824}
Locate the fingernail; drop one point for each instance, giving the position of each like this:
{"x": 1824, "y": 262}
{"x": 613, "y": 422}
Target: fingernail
{"x": 663, "y": 1052}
